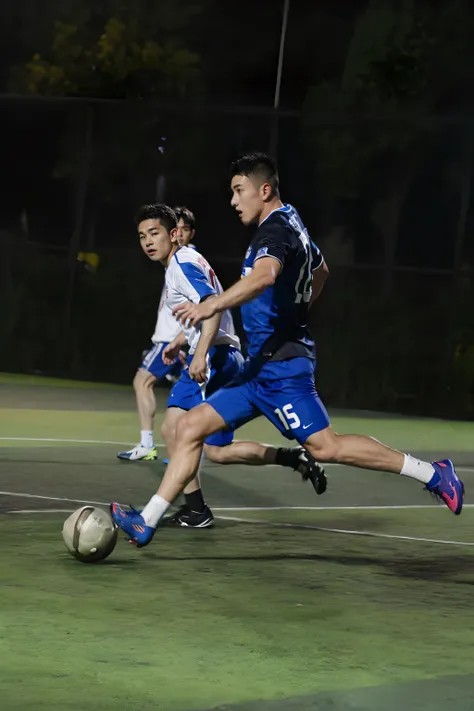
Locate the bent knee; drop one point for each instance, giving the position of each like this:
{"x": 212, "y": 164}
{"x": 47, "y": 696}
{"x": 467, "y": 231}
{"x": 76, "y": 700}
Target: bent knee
{"x": 143, "y": 379}
{"x": 323, "y": 446}
{"x": 215, "y": 454}
{"x": 193, "y": 427}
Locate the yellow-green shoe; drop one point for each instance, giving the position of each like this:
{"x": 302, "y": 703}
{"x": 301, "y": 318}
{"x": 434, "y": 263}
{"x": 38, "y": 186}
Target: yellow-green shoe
{"x": 145, "y": 454}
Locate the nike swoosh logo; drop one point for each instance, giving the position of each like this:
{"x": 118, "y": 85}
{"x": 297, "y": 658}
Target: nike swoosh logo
{"x": 453, "y": 500}
{"x": 305, "y": 427}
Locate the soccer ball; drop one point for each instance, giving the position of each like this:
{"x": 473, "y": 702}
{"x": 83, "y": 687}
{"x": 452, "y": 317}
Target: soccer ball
{"x": 90, "y": 534}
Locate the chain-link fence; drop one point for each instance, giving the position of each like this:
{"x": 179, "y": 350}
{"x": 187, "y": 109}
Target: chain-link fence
{"x": 389, "y": 202}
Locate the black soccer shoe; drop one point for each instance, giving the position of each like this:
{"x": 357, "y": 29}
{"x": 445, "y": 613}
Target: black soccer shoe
{"x": 190, "y": 519}
{"x": 308, "y": 467}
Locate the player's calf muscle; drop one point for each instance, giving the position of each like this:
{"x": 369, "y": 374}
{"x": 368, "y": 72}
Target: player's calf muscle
{"x": 168, "y": 433}
{"x": 170, "y": 427}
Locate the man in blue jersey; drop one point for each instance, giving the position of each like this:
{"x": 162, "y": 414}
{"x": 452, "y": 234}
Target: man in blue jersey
{"x": 214, "y": 359}
{"x": 283, "y": 273}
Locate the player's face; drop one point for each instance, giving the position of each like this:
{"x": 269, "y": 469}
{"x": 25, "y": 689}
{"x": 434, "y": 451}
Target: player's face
{"x": 185, "y": 233}
{"x": 156, "y": 241}
{"x": 248, "y": 198}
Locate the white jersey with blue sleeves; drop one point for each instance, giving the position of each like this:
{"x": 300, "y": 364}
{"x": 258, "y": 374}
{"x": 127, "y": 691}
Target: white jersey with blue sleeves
{"x": 167, "y": 327}
{"x": 189, "y": 277}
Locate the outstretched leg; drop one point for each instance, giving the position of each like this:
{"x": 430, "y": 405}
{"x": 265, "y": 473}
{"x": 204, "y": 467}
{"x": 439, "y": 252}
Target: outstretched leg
{"x": 368, "y": 453}
{"x": 196, "y": 425}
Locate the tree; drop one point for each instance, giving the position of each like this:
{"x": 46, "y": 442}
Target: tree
{"x": 103, "y": 55}
{"x": 123, "y": 60}
{"x": 370, "y": 135}
{"x": 406, "y": 60}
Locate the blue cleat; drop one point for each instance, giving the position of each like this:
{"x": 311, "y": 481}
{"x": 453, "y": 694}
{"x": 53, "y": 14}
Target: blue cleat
{"x": 446, "y": 486}
{"x": 165, "y": 461}
{"x": 131, "y": 521}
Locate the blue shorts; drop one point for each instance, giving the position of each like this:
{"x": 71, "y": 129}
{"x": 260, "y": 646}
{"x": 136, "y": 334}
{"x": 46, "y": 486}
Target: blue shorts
{"x": 153, "y": 362}
{"x": 226, "y": 363}
{"x": 283, "y": 391}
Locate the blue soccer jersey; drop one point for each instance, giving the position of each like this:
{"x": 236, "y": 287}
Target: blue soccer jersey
{"x": 276, "y": 321}
{"x": 278, "y": 378}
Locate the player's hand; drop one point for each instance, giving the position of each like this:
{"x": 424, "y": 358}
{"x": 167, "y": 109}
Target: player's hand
{"x": 192, "y": 314}
{"x": 198, "y": 369}
{"x": 170, "y": 353}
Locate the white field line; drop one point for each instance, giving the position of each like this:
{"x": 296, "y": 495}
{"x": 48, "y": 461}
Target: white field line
{"x": 347, "y": 532}
{"x": 23, "y": 495}
{"x": 131, "y": 444}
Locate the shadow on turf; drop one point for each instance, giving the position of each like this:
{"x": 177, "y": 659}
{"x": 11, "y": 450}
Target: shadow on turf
{"x": 118, "y": 562}
{"x": 437, "y": 569}
{"x": 434, "y": 569}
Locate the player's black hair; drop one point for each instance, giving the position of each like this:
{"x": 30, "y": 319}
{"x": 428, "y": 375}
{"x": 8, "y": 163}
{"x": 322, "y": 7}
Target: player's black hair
{"x": 157, "y": 211}
{"x": 185, "y": 214}
{"x": 259, "y": 165}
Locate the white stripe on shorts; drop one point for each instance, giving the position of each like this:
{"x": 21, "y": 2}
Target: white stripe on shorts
{"x": 151, "y": 355}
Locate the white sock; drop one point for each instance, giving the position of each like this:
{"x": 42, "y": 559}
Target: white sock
{"x": 147, "y": 438}
{"x": 416, "y": 469}
{"x": 154, "y": 510}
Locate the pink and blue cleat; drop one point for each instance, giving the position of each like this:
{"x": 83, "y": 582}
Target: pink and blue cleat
{"x": 446, "y": 486}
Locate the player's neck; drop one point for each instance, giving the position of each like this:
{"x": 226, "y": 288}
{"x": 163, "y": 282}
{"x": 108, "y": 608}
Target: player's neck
{"x": 166, "y": 262}
{"x": 274, "y": 204}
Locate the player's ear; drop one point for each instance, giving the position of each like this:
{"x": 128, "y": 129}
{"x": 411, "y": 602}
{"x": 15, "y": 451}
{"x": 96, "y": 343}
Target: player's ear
{"x": 266, "y": 191}
{"x": 192, "y": 235}
{"x": 174, "y": 235}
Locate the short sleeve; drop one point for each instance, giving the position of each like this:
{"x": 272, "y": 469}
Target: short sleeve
{"x": 195, "y": 285}
{"x": 273, "y": 240}
{"x": 317, "y": 257}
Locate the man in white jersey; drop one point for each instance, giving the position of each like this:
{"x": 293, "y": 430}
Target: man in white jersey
{"x": 186, "y": 226}
{"x": 153, "y": 368}
{"x": 283, "y": 273}
{"x": 214, "y": 360}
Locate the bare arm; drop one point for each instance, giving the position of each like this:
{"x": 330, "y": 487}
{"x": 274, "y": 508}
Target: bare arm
{"x": 171, "y": 351}
{"x": 180, "y": 340}
{"x": 260, "y": 278}
{"x": 209, "y": 330}
{"x": 319, "y": 278}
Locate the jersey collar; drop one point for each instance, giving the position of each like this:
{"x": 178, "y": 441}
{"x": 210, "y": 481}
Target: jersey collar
{"x": 285, "y": 208}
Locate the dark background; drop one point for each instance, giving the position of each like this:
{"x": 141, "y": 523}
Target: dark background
{"x": 104, "y": 106}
